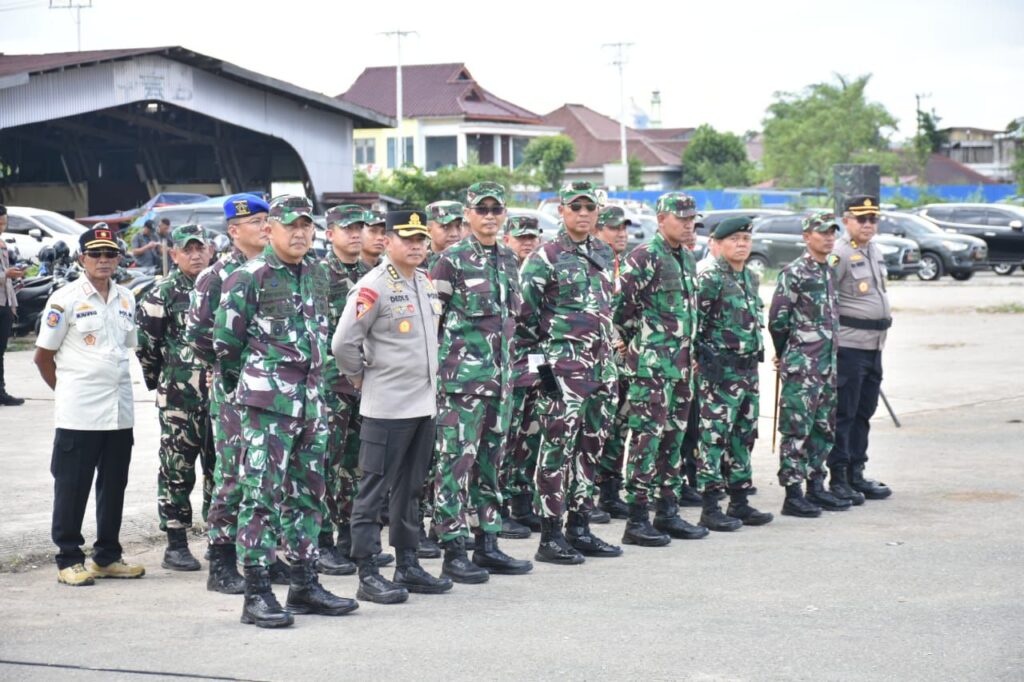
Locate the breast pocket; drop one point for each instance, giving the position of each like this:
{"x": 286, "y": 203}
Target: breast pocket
{"x": 90, "y": 329}
{"x": 670, "y": 292}
{"x": 573, "y": 287}
{"x": 861, "y": 278}
{"x": 481, "y": 303}
{"x": 403, "y": 319}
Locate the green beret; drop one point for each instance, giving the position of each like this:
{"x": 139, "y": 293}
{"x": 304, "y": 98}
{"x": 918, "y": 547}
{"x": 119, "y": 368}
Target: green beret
{"x": 731, "y": 226}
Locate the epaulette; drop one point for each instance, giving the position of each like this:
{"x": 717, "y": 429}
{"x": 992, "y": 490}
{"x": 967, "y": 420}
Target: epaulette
{"x": 393, "y": 272}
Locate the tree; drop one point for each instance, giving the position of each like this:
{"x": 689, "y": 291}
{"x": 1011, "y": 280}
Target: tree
{"x": 636, "y": 173}
{"x": 549, "y": 156}
{"x": 1018, "y": 169}
{"x": 417, "y": 189}
{"x": 806, "y": 133}
{"x": 714, "y": 159}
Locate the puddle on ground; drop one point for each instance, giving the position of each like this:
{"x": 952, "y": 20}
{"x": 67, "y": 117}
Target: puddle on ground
{"x": 980, "y": 496}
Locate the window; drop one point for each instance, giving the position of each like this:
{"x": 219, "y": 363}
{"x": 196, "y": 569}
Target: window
{"x": 1000, "y": 217}
{"x": 518, "y": 149}
{"x": 366, "y": 152}
{"x": 18, "y": 225}
{"x": 441, "y": 152}
{"x": 392, "y": 152}
{"x": 940, "y": 213}
{"x": 969, "y": 216}
{"x": 786, "y": 225}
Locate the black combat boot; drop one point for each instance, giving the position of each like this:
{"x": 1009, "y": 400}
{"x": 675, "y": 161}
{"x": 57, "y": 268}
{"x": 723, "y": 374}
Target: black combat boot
{"x": 522, "y": 512}
{"x": 639, "y": 530}
{"x": 712, "y": 518}
{"x": 427, "y": 547}
{"x": 375, "y": 587}
{"x": 689, "y": 497}
{"x": 177, "y": 557}
{"x": 261, "y": 607}
{"x": 598, "y": 515}
{"x": 740, "y": 509}
{"x": 510, "y": 528}
{"x": 333, "y": 561}
{"x": 798, "y": 505}
{"x": 817, "y": 495}
{"x": 610, "y": 501}
{"x": 554, "y": 549}
{"x": 280, "y": 573}
{"x": 489, "y": 556}
{"x": 667, "y": 520}
{"x": 8, "y": 400}
{"x": 307, "y": 595}
{"x": 577, "y": 533}
{"x": 457, "y": 565}
{"x": 872, "y": 490}
{"x": 410, "y": 575}
{"x": 224, "y": 576}
{"x": 839, "y": 485}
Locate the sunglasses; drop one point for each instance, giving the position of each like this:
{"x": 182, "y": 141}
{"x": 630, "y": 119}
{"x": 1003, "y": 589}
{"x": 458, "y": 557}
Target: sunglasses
{"x": 865, "y": 219}
{"x": 578, "y": 206}
{"x": 102, "y": 253}
{"x": 484, "y": 210}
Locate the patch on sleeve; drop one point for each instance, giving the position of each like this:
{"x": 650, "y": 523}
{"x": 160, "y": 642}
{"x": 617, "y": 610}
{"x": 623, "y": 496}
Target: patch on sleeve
{"x": 833, "y": 259}
{"x": 53, "y": 317}
{"x": 365, "y": 299}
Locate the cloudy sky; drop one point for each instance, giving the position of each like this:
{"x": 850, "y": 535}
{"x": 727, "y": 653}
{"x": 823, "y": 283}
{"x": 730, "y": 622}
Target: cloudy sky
{"x": 714, "y": 62}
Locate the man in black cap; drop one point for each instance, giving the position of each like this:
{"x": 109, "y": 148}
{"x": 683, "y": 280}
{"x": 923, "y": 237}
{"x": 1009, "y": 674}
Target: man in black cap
{"x": 83, "y": 353}
{"x": 146, "y": 248}
{"x": 864, "y": 317}
{"x": 386, "y": 345}
{"x": 8, "y": 307}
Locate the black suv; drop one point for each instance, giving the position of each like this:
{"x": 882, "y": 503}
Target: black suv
{"x": 1001, "y": 226}
{"x": 778, "y": 240}
{"x": 957, "y": 255}
{"x": 712, "y": 218}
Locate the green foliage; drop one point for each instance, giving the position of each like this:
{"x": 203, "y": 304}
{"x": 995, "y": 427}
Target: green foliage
{"x": 1018, "y": 169}
{"x": 806, "y": 133}
{"x": 549, "y": 156}
{"x": 636, "y": 173}
{"x": 714, "y": 159}
{"x": 750, "y": 201}
{"x": 417, "y": 189}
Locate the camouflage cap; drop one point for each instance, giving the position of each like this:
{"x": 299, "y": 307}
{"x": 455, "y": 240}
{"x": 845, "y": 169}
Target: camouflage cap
{"x": 576, "y": 189}
{"x": 732, "y": 226}
{"x": 678, "y": 204}
{"x": 863, "y": 205}
{"x": 346, "y": 215}
{"x": 820, "y": 222}
{"x": 479, "y": 191}
{"x": 522, "y": 226}
{"x": 613, "y": 216}
{"x": 183, "y": 234}
{"x": 445, "y": 212}
{"x": 407, "y": 223}
{"x": 288, "y": 208}
{"x": 375, "y": 219}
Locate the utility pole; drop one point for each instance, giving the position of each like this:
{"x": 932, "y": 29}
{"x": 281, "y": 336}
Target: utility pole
{"x": 620, "y": 61}
{"x": 918, "y": 97}
{"x": 78, "y": 6}
{"x": 400, "y": 142}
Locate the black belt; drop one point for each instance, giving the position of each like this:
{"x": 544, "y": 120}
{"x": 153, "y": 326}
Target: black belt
{"x": 858, "y": 323}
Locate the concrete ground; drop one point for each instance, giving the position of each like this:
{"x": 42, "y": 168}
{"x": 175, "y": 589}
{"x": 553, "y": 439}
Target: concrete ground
{"x": 923, "y": 586}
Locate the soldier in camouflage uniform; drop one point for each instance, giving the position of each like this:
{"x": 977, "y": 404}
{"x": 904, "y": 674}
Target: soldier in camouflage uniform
{"x": 246, "y": 216}
{"x": 181, "y": 380}
{"x": 444, "y": 221}
{"x": 804, "y": 326}
{"x": 729, "y": 349}
{"x": 478, "y": 284}
{"x": 374, "y": 239}
{"x": 656, "y": 316}
{"x": 271, "y": 339}
{"x": 344, "y": 269}
{"x": 566, "y": 318}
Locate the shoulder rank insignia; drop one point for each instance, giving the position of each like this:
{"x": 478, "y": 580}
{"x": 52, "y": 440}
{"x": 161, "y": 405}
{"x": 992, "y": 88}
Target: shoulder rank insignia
{"x": 393, "y": 272}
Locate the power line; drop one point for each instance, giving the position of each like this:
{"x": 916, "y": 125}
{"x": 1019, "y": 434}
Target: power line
{"x": 78, "y": 6}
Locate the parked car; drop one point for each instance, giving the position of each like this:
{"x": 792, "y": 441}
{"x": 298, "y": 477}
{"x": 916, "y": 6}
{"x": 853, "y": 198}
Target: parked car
{"x": 30, "y": 229}
{"x": 712, "y": 218}
{"x": 1000, "y": 225}
{"x": 209, "y": 215}
{"x": 958, "y": 255}
{"x": 778, "y": 240}
{"x": 548, "y": 224}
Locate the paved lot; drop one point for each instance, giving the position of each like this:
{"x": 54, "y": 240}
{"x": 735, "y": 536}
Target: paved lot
{"x": 925, "y": 585}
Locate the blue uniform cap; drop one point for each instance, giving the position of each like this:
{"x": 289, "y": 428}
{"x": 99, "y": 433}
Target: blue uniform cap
{"x": 241, "y": 205}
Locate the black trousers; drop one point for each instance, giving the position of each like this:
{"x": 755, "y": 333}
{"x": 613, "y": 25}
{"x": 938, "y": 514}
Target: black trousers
{"x": 859, "y": 380}
{"x": 76, "y": 456}
{"x": 6, "y": 324}
{"x": 691, "y": 440}
{"x": 394, "y": 455}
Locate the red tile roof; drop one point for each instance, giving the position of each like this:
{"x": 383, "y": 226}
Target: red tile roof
{"x": 942, "y": 170}
{"x": 433, "y": 90}
{"x": 596, "y": 137}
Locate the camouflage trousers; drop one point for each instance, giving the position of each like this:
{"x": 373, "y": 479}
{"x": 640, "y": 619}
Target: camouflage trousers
{"x": 282, "y": 483}
{"x": 574, "y": 428}
{"x": 728, "y": 429}
{"x": 658, "y": 412}
{"x": 342, "y": 465}
{"x": 519, "y": 467}
{"x": 185, "y": 438}
{"x": 471, "y": 432}
{"x": 613, "y": 458}
{"x": 222, "y": 519}
{"x": 807, "y": 418}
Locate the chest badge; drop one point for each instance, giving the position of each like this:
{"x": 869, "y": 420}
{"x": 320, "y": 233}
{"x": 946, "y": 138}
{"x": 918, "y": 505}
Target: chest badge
{"x": 90, "y": 340}
{"x": 405, "y": 326}
{"x": 863, "y": 287}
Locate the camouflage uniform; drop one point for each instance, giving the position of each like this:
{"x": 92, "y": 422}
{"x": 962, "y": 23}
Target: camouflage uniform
{"x": 181, "y": 379}
{"x": 271, "y": 340}
{"x": 656, "y": 316}
{"x": 566, "y": 316}
{"x": 610, "y": 463}
{"x": 479, "y": 289}
{"x": 222, "y": 517}
{"x": 729, "y": 330}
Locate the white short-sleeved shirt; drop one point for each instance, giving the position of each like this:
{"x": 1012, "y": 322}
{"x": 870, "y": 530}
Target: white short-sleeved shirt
{"x": 94, "y": 341}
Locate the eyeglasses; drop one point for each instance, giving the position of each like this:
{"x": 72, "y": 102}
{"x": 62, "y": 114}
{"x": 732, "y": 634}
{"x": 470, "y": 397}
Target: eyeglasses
{"x": 253, "y": 222}
{"x": 484, "y": 210}
{"x": 102, "y": 253}
{"x": 865, "y": 219}
{"x": 578, "y": 206}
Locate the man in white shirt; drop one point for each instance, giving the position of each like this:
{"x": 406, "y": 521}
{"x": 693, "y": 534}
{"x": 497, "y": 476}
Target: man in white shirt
{"x": 86, "y": 339}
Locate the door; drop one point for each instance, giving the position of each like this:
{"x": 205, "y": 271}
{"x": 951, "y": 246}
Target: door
{"x": 1005, "y": 243}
